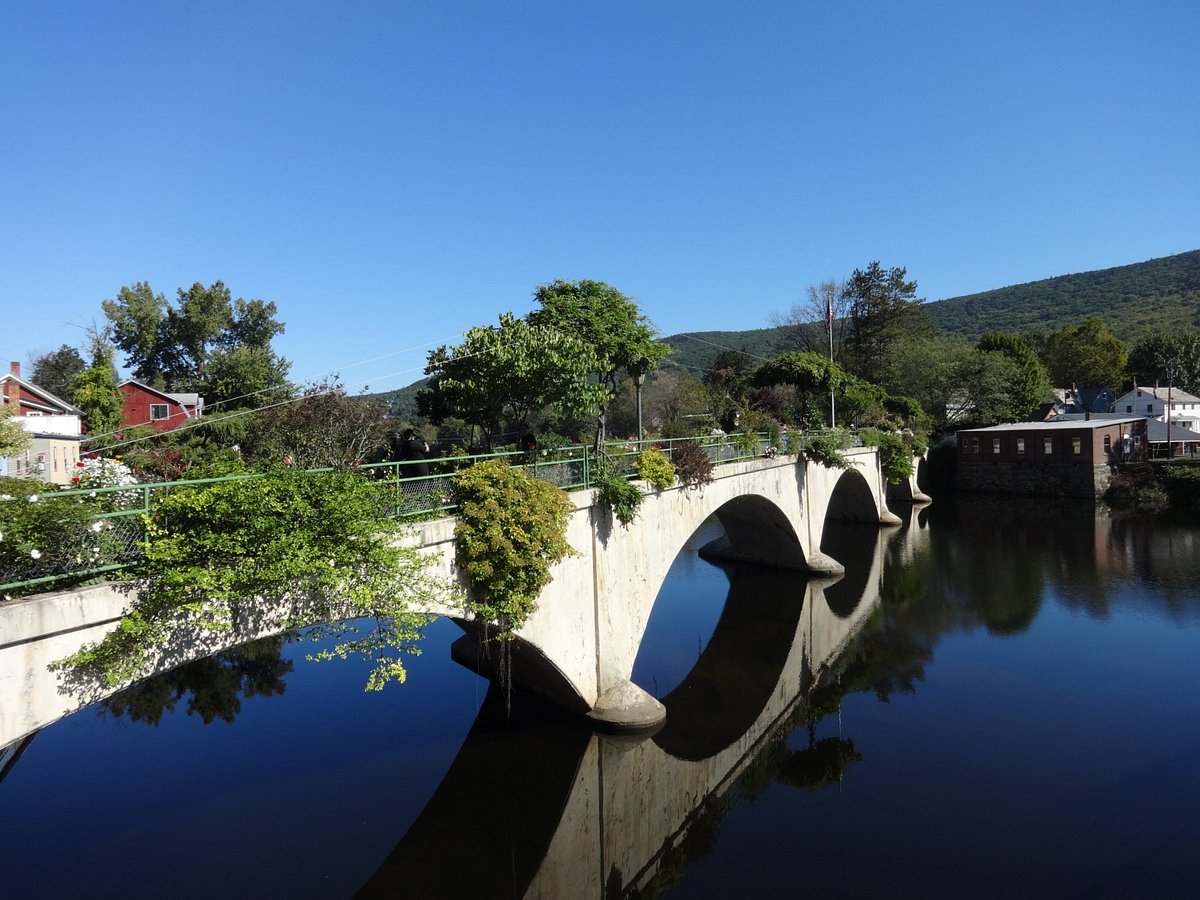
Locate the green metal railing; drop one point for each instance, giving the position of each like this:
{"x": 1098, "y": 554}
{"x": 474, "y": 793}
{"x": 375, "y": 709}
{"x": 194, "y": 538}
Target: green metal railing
{"x": 109, "y": 541}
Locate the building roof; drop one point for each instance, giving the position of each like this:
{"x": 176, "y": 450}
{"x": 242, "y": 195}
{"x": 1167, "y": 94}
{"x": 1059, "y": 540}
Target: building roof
{"x": 1178, "y": 395}
{"x": 191, "y": 399}
{"x": 50, "y": 402}
{"x": 1156, "y": 433}
{"x": 1062, "y": 423}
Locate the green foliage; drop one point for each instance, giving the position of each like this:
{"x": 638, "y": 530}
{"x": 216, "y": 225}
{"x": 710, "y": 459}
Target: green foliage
{"x": 97, "y": 393}
{"x": 824, "y": 448}
{"x": 13, "y": 438}
{"x": 1087, "y": 355}
{"x": 895, "y": 454}
{"x": 43, "y": 534}
{"x": 1135, "y": 489}
{"x": 653, "y": 466}
{"x": 1181, "y": 483}
{"x": 1168, "y": 356}
{"x": 317, "y": 543}
{"x": 618, "y": 496}
{"x": 692, "y": 465}
{"x": 511, "y": 530}
{"x": 502, "y": 375}
{"x": 206, "y": 342}
{"x": 883, "y": 307}
{"x": 1132, "y": 299}
{"x": 620, "y": 338}
{"x": 325, "y": 427}
{"x": 58, "y": 370}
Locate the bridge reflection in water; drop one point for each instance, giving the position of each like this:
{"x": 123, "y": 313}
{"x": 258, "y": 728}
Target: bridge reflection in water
{"x": 538, "y": 806}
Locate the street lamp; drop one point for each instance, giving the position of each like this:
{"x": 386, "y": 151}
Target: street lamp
{"x": 640, "y": 378}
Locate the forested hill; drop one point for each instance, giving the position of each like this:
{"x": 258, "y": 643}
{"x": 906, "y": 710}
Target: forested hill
{"x": 1130, "y": 299}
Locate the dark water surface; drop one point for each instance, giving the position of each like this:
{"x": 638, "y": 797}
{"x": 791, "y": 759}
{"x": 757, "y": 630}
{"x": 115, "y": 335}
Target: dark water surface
{"x": 1013, "y": 712}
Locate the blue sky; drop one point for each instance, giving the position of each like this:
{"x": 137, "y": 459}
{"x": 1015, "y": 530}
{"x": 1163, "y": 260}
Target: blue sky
{"x": 391, "y": 174}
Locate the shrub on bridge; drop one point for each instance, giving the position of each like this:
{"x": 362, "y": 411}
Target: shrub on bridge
{"x": 895, "y": 456}
{"x": 317, "y": 539}
{"x": 42, "y": 534}
{"x": 692, "y": 464}
{"x": 512, "y": 528}
{"x": 825, "y": 449}
{"x": 653, "y": 466}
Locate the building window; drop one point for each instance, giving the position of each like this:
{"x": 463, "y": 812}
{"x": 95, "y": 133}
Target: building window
{"x": 974, "y": 445}
{"x": 1077, "y": 446}
{"x": 995, "y": 445}
{"x": 158, "y": 411}
{"x": 1020, "y": 446}
{"x": 1149, "y": 407}
{"x": 1137, "y": 440}
{"x": 1048, "y": 446}
{"x": 1108, "y": 444}
{"x": 1129, "y": 408}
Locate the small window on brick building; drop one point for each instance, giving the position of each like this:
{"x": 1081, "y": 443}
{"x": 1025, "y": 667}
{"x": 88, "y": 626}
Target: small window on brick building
{"x": 1020, "y": 446}
{"x": 995, "y": 445}
{"x": 1077, "y": 446}
{"x": 158, "y": 411}
{"x": 1048, "y": 446}
{"x": 974, "y": 445}
{"x": 1108, "y": 443}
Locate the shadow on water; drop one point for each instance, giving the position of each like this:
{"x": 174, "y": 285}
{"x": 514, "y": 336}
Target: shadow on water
{"x": 486, "y": 830}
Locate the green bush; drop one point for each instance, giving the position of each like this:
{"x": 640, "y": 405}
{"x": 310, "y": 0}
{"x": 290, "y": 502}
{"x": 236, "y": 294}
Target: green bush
{"x": 895, "y": 458}
{"x": 42, "y": 534}
{"x": 321, "y": 538}
{"x": 619, "y": 496}
{"x": 653, "y": 466}
{"x": 512, "y": 528}
{"x": 824, "y": 448}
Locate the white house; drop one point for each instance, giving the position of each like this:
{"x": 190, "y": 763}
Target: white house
{"x": 1152, "y": 402}
{"x": 54, "y": 428}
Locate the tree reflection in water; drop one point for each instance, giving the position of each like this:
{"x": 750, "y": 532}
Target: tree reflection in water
{"x": 214, "y": 686}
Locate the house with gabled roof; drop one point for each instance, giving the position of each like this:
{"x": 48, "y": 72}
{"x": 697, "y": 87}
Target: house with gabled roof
{"x": 54, "y": 427}
{"x": 163, "y": 410}
{"x": 1156, "y": 402}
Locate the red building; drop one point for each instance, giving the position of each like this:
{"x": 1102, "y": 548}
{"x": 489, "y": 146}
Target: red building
{"x": 144, "y": 405}
{"x": 1061, "y": 458}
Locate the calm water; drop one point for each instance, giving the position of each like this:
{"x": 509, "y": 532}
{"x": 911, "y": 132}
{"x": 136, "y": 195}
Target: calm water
{"x": 1014, "y": 712}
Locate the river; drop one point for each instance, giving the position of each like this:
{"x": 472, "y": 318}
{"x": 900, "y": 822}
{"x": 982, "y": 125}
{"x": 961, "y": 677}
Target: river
{"x": 998, "y": 700}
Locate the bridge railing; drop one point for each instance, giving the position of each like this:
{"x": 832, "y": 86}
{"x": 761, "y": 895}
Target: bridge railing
{"x": 105, "y": 537}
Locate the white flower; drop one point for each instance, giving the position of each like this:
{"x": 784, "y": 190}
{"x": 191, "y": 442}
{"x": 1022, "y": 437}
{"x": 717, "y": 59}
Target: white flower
{"x": 97, "y": 525}
{"x": 36, "y": 554}
{"x": 33, "y": 498}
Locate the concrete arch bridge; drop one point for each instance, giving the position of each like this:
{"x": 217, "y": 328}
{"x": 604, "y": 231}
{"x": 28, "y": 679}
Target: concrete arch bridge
{"x": 579, "y": 647}
{"x": 577, "y": 650}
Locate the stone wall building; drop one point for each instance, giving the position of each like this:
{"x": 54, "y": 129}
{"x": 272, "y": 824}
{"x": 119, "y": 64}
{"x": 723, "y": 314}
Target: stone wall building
{"x": 1062, "y": 458}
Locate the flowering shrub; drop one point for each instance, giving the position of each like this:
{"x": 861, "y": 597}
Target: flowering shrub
{"x": 653, "y": 466}
{"x": 43, "y": 534}
{"x": 98, "y": 472}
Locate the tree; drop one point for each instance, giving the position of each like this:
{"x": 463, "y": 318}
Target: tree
{"x": 506, "y": 374}
{"x": 726, "y": 380}
{"x": 13, "y": 438}
{"x": 1087, "y": 355}
{"x": 57, "y": 370}
{"x": 245, "y": 377}
{"x": 1168, "y": 357}
{"x": 883, "y": 307}
{"x": 324, "y": 427}
{"x": 97, "y": 393}
{"x": 1030, "y": 385}
{"x": 814, "y": 377}
{"x": 173, "y": 347}
{"x": 809, "y": 325}
{"x": 621, "y": 339}
{"x": 929, "y": 369}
